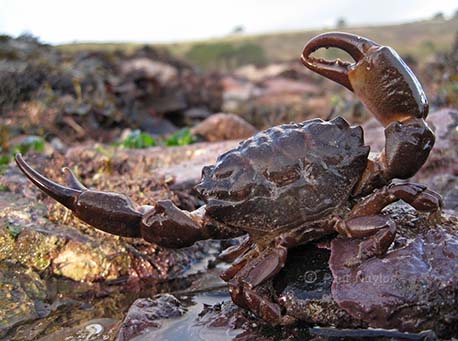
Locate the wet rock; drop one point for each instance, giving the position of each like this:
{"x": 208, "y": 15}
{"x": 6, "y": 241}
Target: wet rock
{"x": 225, "y": 314}
{"x": 227, "y": 321}
{"x": 91, "y": 261}
{"x": 40, "y": 236}
{"x": 199, "y": 316}
{"x": 145, "y": 313}
{"x": 25, "y": 235}
{"x": 236, "y": 323}
{"x": 31, "y": 240}
{"x": 98, "y": 329}
{"x": 22, "y": 295}
{"x": 413, "y": 288}
{"x": 220, "y": 127}
{"x": 112, "y": 167}
{"x": 320, "y": 333}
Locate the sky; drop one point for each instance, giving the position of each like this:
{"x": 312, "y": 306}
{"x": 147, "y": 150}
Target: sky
{"x": 153, "y": 21}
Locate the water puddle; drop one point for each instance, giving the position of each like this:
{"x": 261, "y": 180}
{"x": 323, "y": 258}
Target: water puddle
{"x": 185, "y": 328}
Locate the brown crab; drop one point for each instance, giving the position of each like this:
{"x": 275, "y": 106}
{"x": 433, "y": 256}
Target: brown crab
{"x": 290, "y": 184}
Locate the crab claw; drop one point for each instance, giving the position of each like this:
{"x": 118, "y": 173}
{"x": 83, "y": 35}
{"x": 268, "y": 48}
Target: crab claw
{"x": 379, "y": 77}
{"x": 109, "y": 212}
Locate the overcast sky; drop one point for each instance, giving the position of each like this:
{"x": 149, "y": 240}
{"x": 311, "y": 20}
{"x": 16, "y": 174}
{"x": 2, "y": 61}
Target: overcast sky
{"x": 55, "y": 21}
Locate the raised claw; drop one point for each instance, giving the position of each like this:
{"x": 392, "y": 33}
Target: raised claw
{"x": 337, "y": 70}
{"x": 379, "y": 77}
{"x": 107, "y": 211}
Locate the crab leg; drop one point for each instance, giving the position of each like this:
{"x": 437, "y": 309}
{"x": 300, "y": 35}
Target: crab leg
{"x": 379, "y": 229}
{"x": 249, "y": 278}
{"x": 246, "y": 283}
{"x": 233, "y": 252}
{"x": 164, "y": 224}
{"x": 365, "y": 219}
{"x": 418, "y": 196}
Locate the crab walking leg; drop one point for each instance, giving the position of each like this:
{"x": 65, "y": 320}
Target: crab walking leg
{"x": 233, "y": 252}
{"x": 164, "y": 224}
{"x": 244, "y": 286}
{"x": 365, "y": 221}
{"x": 381, "y": 231}
{"x": 416, "y": 195}
{"x": 259, "y": 301}
{"x": 250, "y": 276}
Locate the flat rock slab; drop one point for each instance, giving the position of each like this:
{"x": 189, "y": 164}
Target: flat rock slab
{"x": 183, "y": 164}
{"x": 413, "y": 288}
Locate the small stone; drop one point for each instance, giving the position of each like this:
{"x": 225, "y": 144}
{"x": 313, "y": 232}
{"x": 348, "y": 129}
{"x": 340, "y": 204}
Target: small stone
{"x": 220, "y": 127}
{"x": 146, "y": 313}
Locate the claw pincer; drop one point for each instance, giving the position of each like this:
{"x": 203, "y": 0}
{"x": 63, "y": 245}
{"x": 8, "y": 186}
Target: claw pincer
{"x": 379, "y": 77}
{"x": 110, "y": 212}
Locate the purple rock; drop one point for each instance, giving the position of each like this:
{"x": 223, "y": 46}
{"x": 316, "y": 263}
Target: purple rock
{"x": 413, "y": 288}
{"x": 145, "y": 313}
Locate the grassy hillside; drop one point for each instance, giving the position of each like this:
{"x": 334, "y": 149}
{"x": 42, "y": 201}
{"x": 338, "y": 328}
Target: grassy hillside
{"x": 419, "y": 40}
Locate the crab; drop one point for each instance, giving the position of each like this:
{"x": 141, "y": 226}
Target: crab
{"x": 291, "y": 184}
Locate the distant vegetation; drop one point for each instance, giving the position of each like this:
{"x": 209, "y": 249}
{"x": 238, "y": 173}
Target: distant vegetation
{"x": 418, "y": 40}
{"x": 30, "y": 143}
{"x": 225, "y": 56}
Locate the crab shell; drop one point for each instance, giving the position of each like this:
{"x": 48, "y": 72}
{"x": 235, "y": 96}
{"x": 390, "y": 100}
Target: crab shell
{"x": 286, "y": 176}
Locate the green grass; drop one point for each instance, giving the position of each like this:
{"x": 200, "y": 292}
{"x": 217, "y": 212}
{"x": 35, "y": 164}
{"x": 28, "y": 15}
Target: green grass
{"x": 139, "y": 140}
{"x": 419, "y": 40}
{"x": 30, "y": 143}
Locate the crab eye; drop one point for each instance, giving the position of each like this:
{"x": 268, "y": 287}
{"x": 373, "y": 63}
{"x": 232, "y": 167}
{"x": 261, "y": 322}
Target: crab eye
{"x": 223, "y": 175}
{"x": 206, "y": 171}
{"x": 284, "y": 177}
